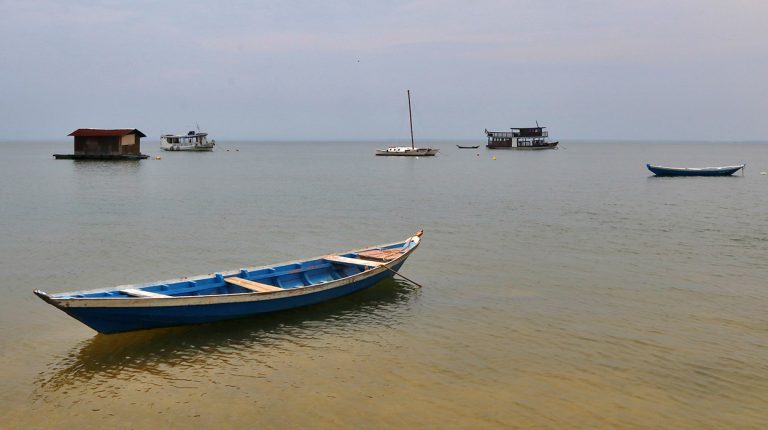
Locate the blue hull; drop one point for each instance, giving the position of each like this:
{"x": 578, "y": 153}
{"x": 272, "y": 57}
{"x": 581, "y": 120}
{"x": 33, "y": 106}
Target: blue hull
{"x": 121, "y": 319}
{"x": 714, "y": 171}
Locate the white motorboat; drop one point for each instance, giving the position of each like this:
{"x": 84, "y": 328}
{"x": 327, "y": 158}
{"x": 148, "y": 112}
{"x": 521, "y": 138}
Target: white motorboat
{"x": 192, "y": 141}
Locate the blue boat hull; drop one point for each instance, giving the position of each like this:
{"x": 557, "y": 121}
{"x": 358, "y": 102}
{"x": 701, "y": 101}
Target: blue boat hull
{"x": 714, "y": 171}
{"x": 114, "y": 320}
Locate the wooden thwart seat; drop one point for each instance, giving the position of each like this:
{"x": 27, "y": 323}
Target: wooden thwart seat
{"x": 135, "y": 292}
{"x": 253, "y": 286}
{"x": 355, "y": 261}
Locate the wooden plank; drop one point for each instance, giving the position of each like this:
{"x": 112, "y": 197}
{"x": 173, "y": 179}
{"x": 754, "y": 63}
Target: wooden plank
{"x": 141, "y": 293}
{"x": 381, "y": 254}
{"x": 355, "y": 261}
{"x": 253, "y": 286}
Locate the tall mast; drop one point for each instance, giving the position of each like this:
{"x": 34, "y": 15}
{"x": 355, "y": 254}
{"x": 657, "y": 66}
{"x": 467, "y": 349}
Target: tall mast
{"x": 410, "y": 118}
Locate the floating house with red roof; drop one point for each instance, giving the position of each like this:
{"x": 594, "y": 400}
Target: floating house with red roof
{"x": 105, "y": 144}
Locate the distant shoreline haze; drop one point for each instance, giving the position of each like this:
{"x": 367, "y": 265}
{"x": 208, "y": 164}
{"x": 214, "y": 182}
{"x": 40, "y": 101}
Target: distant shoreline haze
{"x": 482, "y": 140}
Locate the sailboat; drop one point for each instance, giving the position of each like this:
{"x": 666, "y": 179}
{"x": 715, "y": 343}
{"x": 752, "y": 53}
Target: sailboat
{"x": 408, "y": 151}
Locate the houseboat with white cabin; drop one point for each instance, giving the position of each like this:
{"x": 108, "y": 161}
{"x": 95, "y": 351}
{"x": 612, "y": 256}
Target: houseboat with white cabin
{"x": 192, "y": 141}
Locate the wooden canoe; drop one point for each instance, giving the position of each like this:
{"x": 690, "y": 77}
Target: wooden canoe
{"x": 694, "y": 171}
{"x": 233, "y": 294}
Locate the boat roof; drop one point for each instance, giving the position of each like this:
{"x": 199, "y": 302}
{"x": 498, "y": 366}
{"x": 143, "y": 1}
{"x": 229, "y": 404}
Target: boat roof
{"x": 184, "y": 135}
{"x": 520, "y": 129}
{"x": 99, "y": 132}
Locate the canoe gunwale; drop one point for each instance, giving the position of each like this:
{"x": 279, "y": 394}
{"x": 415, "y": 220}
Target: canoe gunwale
{"x": 250, "y": 296}
{"x": 697, "y": 169}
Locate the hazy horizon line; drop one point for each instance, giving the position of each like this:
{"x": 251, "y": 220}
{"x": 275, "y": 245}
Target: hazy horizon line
{"x": 406, "y": 142}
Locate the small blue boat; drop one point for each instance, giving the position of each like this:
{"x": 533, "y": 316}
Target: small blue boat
{"x": 233, "y": 294}
{"x": 694, "y": 171}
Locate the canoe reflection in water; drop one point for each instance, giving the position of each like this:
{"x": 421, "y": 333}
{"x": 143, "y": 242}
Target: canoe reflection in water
{"x": 105, "y": 362}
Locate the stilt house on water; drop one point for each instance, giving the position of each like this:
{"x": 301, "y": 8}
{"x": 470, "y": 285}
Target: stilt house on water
{"x": 102, "y": 144}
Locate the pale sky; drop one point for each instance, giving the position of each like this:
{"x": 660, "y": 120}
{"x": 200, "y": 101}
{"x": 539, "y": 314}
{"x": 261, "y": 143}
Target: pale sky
{"x": 339, "y": 69}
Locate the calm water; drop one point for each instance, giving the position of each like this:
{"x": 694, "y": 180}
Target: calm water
{"x": 562, "y": 289}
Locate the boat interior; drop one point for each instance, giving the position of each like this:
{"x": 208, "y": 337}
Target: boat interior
{"x": 259, "y": 280}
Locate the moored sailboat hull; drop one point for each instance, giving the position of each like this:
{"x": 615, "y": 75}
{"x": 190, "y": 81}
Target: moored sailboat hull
{"x": 405, "y": 151}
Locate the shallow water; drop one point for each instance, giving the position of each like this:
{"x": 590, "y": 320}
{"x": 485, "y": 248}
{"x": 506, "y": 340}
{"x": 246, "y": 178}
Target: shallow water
{"x": 562, "y": 289}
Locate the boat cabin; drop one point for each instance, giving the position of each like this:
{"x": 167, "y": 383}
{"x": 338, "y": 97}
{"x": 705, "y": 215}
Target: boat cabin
{"x": 521, "y": 137}
{"x": 106, "y": 144}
